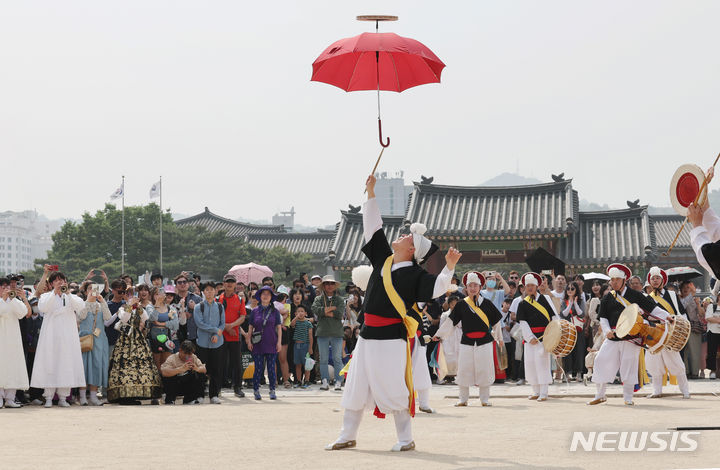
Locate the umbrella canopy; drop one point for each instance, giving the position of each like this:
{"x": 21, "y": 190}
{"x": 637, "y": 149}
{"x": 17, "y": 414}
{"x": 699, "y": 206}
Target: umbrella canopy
{"x": 372, "y": 61}
{"x": 598, "y": 276}
{"x": 682, "y": 273}
{"x": 251, "y": 272}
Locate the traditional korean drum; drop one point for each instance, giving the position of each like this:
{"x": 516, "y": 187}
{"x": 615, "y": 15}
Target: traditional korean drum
{"x": 678, "y": 334}
{"x": 672, "y": 336}
{"x": 559, "y": 337}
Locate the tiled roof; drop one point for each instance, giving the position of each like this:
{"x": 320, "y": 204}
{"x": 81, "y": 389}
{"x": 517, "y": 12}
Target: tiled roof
{"x": 349, "y": 238}
{"x": 609, "y": 236}
{"x": 666, "y": 227}
{"x": 314, "y": 243}
{"x": 495, "y": 212}
{"x": 233, "y": 228}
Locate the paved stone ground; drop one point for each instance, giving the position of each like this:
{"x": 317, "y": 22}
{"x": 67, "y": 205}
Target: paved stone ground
{"x": 292, "y": 431}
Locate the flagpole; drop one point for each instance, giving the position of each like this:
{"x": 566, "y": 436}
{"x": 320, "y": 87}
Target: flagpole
{"x": 122, "y": 245}
{"x": 161, "y": 224}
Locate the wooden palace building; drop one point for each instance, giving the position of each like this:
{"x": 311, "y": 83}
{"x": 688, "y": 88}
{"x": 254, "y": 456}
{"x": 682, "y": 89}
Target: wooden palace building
{"x": 491, "y": 225}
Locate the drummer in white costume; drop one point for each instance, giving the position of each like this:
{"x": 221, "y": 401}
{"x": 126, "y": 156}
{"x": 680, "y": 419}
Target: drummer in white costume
{"x": 480, "y": 322}
{"x": 378, "y": 375}
{"x": 535, "y": 312}
{"x": 665, "y": 361}
{"x": 13, "y": 372}
{"x": 58, "y": 360}
{"x": 615, "y": 353}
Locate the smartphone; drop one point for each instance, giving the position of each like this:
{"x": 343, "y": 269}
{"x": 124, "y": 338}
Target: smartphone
{"x": 54, "y": 267}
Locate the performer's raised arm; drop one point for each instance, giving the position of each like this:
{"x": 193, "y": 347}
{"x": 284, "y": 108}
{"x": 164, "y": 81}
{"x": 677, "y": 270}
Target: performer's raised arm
{"x": 372, "y": 222}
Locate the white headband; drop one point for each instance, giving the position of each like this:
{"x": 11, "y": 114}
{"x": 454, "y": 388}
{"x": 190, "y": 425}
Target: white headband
{"x": 616, "y": 272}
{"x": 422, "y": 244}
{"x": 472, "y": 277}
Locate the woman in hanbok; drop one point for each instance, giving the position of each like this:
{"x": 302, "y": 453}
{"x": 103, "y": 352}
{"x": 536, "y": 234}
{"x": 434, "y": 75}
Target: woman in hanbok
{"x": 91, "y": 321}
{"x": 164, "y": 323}
{"x": 13, "y": 373}
{"x": 133, "y": 374}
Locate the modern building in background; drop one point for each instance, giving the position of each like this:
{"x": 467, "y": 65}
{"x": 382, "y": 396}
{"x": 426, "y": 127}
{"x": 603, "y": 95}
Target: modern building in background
{"x": 24, "y": 237}
{"x": 285, "y": 218}
{"x": 392, "y": 193}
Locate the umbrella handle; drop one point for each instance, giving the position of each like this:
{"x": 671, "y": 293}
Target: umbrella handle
{"x": 384, "y": 145}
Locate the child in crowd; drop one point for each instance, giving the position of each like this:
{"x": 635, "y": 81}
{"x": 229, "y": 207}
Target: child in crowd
{"x": 303, "y": 343}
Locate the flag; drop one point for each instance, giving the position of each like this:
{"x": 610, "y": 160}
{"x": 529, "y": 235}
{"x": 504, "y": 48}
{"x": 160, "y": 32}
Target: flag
{"x": 118, "y": 192}
{"x": 155, "y": 190}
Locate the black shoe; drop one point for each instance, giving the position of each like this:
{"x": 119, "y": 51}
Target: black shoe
{"x": 239, "y": 393}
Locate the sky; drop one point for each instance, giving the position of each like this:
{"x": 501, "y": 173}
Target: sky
{"x": 216, "y": 98}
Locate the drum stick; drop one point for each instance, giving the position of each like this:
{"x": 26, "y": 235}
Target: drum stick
{"x": 697, "y": 198}
{"x": 695, "y": 428}
{"x": 377, "y": 162}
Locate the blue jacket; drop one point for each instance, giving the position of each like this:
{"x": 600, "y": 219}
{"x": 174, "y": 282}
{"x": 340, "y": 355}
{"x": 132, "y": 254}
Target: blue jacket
{"x": 208, "y": 323}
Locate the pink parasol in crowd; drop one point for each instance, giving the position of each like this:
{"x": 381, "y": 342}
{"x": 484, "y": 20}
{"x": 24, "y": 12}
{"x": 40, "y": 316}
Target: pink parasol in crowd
{"x": 377, "y": 61}
{"x": 251, "y": 272}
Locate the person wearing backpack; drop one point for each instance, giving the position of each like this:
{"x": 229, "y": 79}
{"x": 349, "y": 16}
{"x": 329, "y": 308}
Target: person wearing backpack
{"x": 210, "y": 320}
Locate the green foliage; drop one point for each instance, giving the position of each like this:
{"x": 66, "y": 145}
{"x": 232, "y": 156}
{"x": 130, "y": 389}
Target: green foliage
{"x": 95, "y": 243}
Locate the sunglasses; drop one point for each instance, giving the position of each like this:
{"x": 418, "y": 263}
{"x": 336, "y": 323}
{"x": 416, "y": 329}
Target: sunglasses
{"x": 181, "y": 282}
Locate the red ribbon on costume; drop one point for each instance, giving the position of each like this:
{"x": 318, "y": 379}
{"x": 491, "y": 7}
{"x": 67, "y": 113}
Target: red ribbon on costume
{"x": 378, "y": 321}
{"x": 475, "y": 334}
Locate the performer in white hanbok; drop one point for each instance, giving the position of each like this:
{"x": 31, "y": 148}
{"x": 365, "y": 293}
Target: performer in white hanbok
{"x": 13, "y": 372}
{"x": 534, "y": 313}
{"x": 665, "y": 362}
{"x": 58, "y": 360}
{"x": 621, "y": 354}
{"x": 480, "y": 323}
{"x": 380, "y": 371}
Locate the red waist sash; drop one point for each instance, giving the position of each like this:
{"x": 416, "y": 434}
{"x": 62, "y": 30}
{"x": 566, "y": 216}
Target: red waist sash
{"x": 475, "y": 334}
{"x": 377, "y": 320}
{"x": 537, "y": 329}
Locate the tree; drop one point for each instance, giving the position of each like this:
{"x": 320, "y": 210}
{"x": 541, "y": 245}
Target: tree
{"x": 96, "y": 242}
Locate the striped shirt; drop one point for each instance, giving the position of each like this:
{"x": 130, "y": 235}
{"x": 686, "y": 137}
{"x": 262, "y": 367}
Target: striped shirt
{"x": 302, "y": 331}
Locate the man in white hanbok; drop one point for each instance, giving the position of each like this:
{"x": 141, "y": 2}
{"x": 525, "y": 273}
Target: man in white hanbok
{"x": 13, "y": 373}
{"x": 58, "y": 360}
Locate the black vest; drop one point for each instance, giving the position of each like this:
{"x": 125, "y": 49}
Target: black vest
{"x": 472, "y": 323}
{"x": 534, "y": 317}
{"x": 611, "y": 308}
{"x": 412, "y": 283}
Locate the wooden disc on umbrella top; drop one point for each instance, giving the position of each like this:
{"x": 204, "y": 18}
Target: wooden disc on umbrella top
{"x": 377, "y": 18}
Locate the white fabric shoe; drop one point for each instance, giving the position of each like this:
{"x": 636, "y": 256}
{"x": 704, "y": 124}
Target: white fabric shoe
{"x": 215, "y": 401}
{"x": 63, "y": 403}
{"x": 83, "y": 400}
{"x": 48, "y": 403}
{"x": 36, "y": 402}
{"x": 12, "y": 404}
{"x": 712, "y": 375}
{"x": 1, "y": 402}
{"x": 338, "y": 387}
{"x": 324, "y": 385}
{"x": 94, "y": 401}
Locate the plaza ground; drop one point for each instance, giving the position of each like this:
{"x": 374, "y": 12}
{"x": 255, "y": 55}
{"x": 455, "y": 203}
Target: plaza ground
{"x": 292, "y": 431}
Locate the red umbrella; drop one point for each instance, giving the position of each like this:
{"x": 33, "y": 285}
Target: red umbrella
{"x": 377, "y": 61}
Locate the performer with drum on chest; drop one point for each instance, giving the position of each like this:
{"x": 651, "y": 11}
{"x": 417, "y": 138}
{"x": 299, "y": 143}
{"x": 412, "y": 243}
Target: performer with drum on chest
{"x": 534, "y": 314}
{"x": 380, "y": 371}
{"x": 665, "y": 361}
{"x": 475, "y": 363}
{"x": 616, "y": 353}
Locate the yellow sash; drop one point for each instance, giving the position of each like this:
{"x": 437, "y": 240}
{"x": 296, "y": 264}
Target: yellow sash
{"x": 478, "y": 311}
{"x": 620, "y": 298}
{"x": 663, "y": 303}
{"x": 411, "y": 325}
{"x": 667, "y": 376}
{"x": 538, "y": 306}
